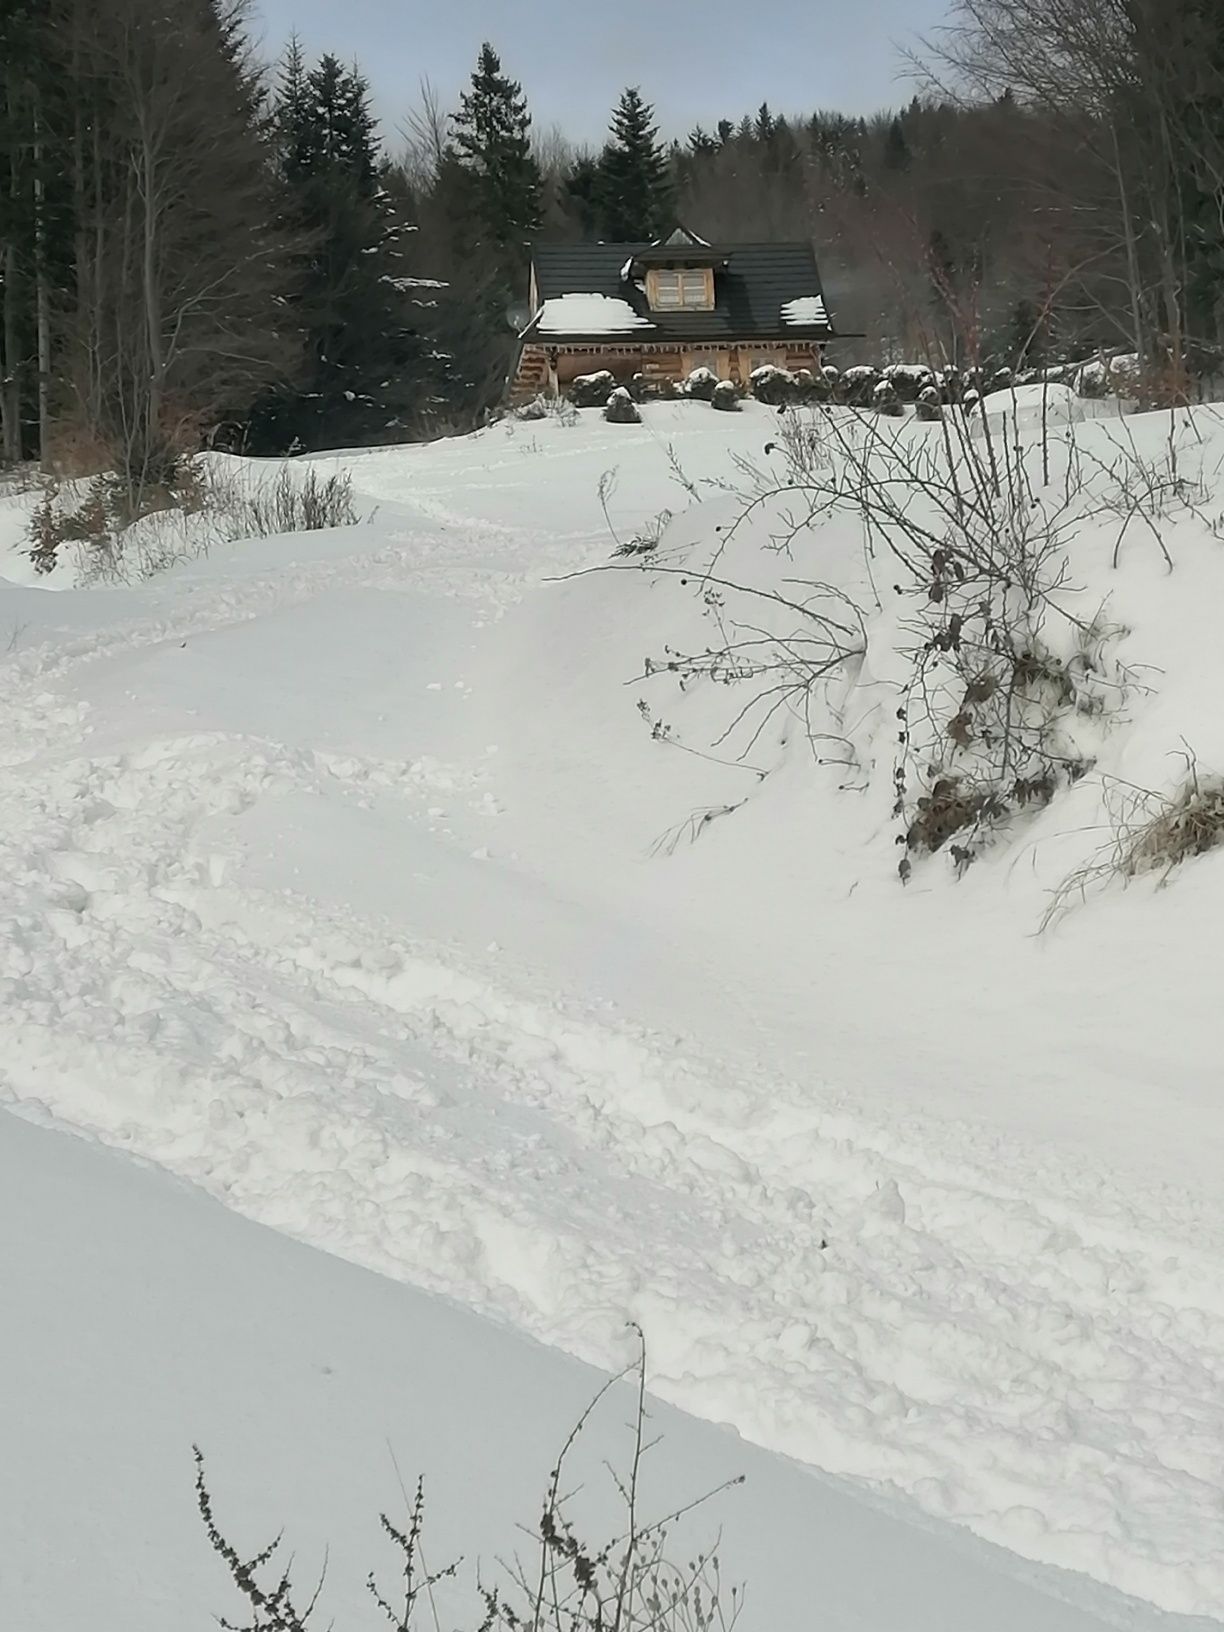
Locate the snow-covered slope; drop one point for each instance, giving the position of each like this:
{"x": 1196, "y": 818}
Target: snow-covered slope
{"x": 330, "y": 880}
{"x": 140, "y": 1317}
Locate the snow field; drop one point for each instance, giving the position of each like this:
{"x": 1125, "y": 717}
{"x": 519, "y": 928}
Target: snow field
{"x": 328, "y": 885}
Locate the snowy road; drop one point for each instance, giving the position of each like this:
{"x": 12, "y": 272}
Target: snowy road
{"x": 265, "y": 849}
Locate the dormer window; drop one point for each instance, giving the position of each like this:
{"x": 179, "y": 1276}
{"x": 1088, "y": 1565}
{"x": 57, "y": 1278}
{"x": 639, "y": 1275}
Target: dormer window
{"x": 675, "y": 289}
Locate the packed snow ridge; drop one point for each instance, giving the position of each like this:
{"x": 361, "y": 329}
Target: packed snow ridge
{"x": 343, "y": 875}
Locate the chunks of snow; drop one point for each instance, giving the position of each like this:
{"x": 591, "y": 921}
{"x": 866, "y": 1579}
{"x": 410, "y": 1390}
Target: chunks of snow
{"x": 805, "y": 311}
{"x": 589, "y": 314}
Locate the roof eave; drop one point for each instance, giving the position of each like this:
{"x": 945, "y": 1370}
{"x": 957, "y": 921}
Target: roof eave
{"x": 657, "y": 337}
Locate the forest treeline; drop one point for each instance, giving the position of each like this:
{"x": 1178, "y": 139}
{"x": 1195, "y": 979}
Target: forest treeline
{"x": 198, "y": 246}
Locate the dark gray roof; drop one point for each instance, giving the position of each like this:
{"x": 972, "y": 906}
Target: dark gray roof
{"x": 750, "y": 290}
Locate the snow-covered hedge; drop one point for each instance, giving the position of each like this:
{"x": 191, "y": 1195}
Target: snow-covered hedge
{"x": 909, "y": 380}
{"x": 701, "y": 384}
{"x": 773, "y": 385}
{"x": 592, "y": 390}
{"x": 856, "y": 386}
{"x": 884, "y": 399}
{"x": 621, "y": 409}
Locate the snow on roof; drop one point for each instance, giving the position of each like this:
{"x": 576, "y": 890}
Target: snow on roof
{"x": 589, "y": 314}
{"x": 806, "y": 310}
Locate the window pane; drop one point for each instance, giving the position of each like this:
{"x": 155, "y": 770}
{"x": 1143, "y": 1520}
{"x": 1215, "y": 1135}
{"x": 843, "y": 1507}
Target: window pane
{"x": 667, "y": 289}
{"x": 694, "y": 287}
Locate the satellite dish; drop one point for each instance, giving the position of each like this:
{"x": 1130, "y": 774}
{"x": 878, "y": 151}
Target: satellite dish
{"x": 518, "y": 315}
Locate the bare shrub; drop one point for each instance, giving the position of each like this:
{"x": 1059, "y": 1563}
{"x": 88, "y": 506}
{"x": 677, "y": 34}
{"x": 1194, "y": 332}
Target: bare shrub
{"x": 1008, "y": 679}
{"x": 646, "y": 1578}
{"x": 1188, "y": 824}
{"x": 1150, "y": 832}
{"x": 205, "y": 505}
{"x": 288, "y": 504}
{"x": 556, "y": 408}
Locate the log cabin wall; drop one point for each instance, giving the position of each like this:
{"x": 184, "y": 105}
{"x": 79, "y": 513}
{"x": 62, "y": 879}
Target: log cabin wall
{"x": 534, "y": 375}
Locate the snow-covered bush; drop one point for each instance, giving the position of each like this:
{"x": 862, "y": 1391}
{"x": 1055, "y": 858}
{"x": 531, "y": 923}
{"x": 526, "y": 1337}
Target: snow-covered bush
{"x": 1116, "y": 376}
{"x": 620, "y": 408}
{"x": 909, "y": 380}
{"x": 725, "y": 397}
{"x": 810, "y": 386}
{"x": 654, "y": 388}
{"x": 559, "y": 409}
{"x": 537, "y": 408}
{"x": 773, "y": 386}
{"x": 591, "y": 390}
{"x": 856, "y": 387}
{"x": 929, "y": 405}
{"x": 884, "y": 399}
{"x": 701, "y": 384}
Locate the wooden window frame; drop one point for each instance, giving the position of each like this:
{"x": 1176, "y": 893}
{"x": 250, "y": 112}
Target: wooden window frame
{"x": 675, "y": 277}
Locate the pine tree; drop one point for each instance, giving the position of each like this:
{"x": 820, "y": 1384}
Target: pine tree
{"x": 492, "y": 141}
{"x": 896, "y": 148}
{"x": 581, "y": 195}
{"x": 354, "y": 309}
{"x": 635, "y": 190}
{"x": 290, "y": 116}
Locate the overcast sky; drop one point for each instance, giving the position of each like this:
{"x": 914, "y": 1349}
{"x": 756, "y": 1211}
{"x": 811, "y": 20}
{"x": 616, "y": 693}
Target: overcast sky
{"x": 697, "y": 60}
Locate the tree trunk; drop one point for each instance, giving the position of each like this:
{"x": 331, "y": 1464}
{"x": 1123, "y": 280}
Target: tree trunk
{"x": 10, "y": 345}
{"x": 42, "y": 296}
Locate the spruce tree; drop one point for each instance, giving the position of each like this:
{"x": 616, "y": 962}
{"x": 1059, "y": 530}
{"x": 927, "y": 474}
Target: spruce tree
{"x": 896, "y": 148}
{"x": 581, "y": 195}
{"x": 491, "y": 134}
{"x": 354, "y": 309}
{"x": 635, "y": 190}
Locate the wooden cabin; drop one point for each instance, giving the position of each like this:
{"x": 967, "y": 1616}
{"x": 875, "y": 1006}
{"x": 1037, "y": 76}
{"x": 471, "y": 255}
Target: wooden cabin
{"x": 665, "y": 308}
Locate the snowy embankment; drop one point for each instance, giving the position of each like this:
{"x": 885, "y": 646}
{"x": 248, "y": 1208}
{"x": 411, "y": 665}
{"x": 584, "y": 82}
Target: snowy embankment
{"x": 332, "y": 880}
{"x": 146, "y": 1317}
